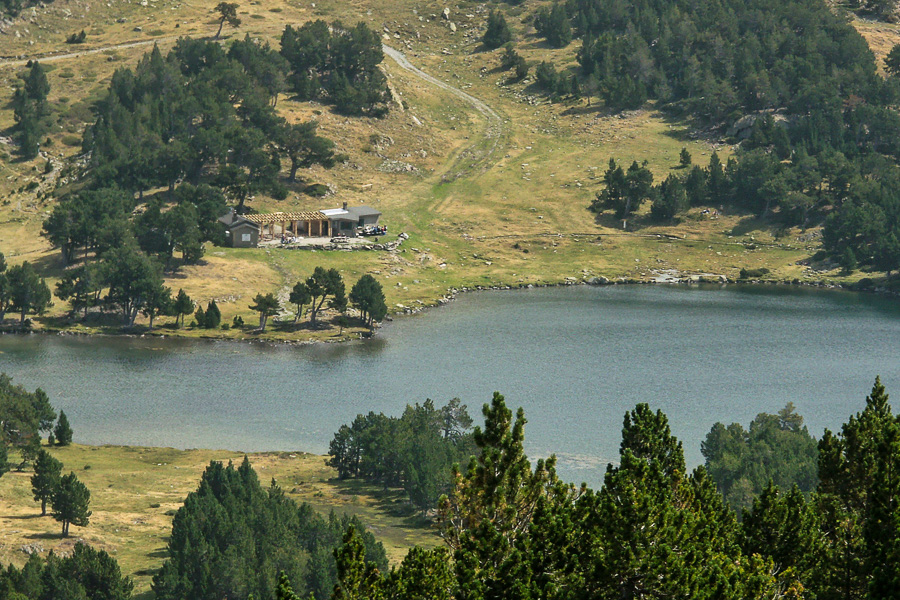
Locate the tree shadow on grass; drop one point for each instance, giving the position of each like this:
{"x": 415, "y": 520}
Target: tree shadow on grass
{"x": 49, "y": 265}
{"x": 635, "y": 223}
{"x": 750, "y": 224}
{"x": 391, "y": 502}
{"x": 24, "y": 517}
{"x": 159, "y": 553}
{"x": 46, "y": 535}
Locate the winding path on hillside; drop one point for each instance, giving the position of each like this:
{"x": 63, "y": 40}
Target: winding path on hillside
{"x": 22, "y": 61}
{"x": 474, "y": 156}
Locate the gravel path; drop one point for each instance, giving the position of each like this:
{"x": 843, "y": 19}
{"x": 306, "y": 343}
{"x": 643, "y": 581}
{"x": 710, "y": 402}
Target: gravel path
{"x": 22, "y": 61}
{"x": 493, "y": 121}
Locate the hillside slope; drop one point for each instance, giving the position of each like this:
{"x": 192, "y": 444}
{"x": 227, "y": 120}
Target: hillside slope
{"x": 487, "y": 201}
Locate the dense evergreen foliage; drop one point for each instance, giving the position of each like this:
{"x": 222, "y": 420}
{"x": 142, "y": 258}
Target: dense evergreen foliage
{"x": 31, "y": 110}
{"x": 23, "y": 416}
{"x": 70, "y": 501}
{"x": 86, "y": 573}
{"x": 553, "y": 24}
{"x": 338, "y": 65}
{"x": 368, "y": 297}
{"x": 199, "y": 114}
{"x": 776, "y": 449}
{"x": 712, "y": 59}
{"x": 818, "y": 124}
{"x": 654, "y": 530}
{"x": 414, "y": 451}
{"x": 515, "y": 531}
{"x": 45, "y": 481}
{"x": 497, "y": 32}
{"x": 232, "y": 538}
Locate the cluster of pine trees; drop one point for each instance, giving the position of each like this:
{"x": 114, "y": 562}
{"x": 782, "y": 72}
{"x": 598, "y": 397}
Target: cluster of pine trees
{"x": 232, "y": 537}
{"x": 84, "y": 573}
{"x": 654, "y": 530}
{"x": 338, "y": 65}
{"x": 31, "y": 111}
{"x": 717, "y": 60}
{"x": 776, "y": 448}
{"x": 201, "y": 115}
{"x": 24, "y": 416}
{"x": 325, "y": 287}
{"x": 414, "y": 451}
{"x": 856, "y": 199}
{"x": 513, "y": 530}
{"x": 823, "y": 146}
{"x": 22, "y": 290}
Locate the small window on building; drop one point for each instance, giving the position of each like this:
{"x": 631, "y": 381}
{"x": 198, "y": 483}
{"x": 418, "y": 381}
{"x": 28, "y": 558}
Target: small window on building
{"x": 245, "y": 237}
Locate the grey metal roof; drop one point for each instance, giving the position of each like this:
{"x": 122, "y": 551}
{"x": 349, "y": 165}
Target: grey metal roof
{"x": 364, "y": 211}
{"x": 232, "y": 219}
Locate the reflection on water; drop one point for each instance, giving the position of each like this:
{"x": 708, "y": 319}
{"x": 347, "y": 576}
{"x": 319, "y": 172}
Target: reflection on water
{"x": 575, "y": 358}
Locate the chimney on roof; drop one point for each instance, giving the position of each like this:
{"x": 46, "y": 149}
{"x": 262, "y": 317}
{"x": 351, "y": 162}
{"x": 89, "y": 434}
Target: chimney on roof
{"x": 345, "y": 206}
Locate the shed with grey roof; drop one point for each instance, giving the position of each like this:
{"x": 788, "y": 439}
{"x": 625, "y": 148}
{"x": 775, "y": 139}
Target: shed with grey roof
{"x": 346, "y": 219}
{"x": 239, "y": 232}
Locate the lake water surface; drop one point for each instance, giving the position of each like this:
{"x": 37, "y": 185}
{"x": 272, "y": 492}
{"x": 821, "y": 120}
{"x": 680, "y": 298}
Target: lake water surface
{"x": 575, "y": 358}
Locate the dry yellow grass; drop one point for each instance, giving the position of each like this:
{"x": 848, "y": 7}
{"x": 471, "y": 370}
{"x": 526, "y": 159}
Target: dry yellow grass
{"x": 880, "y": 36}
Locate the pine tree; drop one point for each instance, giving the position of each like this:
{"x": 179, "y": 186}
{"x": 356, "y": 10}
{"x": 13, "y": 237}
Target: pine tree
{"x": 783, "y": 528}
{"x": 856, "y": 500}
{"x": 158, "y": 302}
{"x": 28, "y": 291}
{"x": 716, "y": 181}
{"x": 284, "y": 591}
{"x": 227, "y": 14}
{"x": 892, "y": 61}
{"x": 497, "y": 32}
{"x": 653, "y": 532}
{"x": 267, "y": 306}
{"x": 684, "y": 159}
{"x": 47, "y": 471}
{"x": 36, "y": 85}
{"x": 367, "y": 296}
{"x": 491, "y": 507}
{"x": 423, "y": 574}
{"x": 200, "y": 317}
{"x": 299, "y": 296}
{"x": 848, "y": 260}
{"x": 183, "y": 305}
{"x": 322, "y": 284}
{"x": 70, "y": 503}
{"x": 554, "y": 25}
{"x": 213, "y": 317}
{"x": 357, "y": 579}
{"x": 63, "y": 431}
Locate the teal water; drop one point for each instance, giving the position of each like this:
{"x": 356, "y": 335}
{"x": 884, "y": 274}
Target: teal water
{"x": 575, "y": 358}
